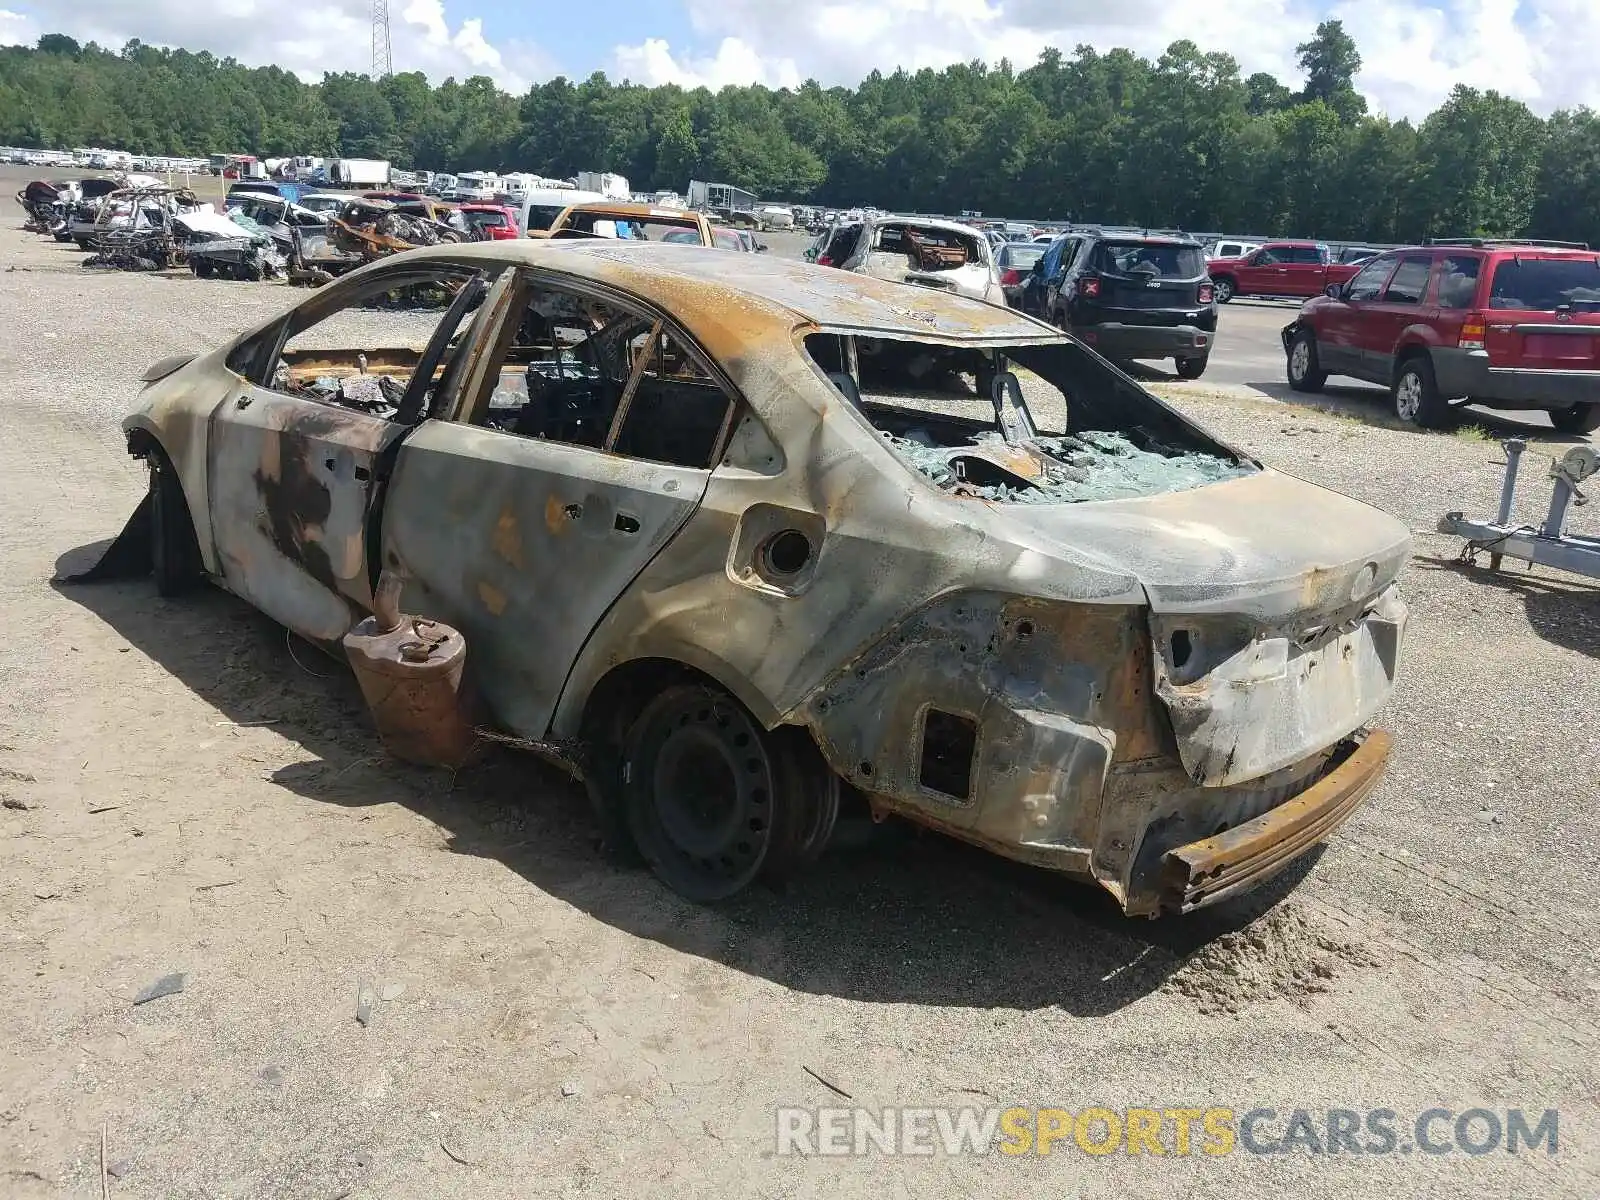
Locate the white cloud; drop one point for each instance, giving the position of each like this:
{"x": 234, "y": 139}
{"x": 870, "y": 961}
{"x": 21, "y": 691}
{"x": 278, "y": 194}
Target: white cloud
{"x": 1540, "y": 51}
{"x": 1415, "y": 50}
{"x": 307, "y": 37}
{"x": 652, "y": 63}
{"x": 16, "y": 29}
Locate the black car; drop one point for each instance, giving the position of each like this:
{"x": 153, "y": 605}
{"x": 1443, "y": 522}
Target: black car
{"x": 1133, "y": 296}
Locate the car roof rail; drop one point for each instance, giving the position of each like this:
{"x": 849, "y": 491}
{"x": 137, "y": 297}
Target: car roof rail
{"x": 1481, "y": 242}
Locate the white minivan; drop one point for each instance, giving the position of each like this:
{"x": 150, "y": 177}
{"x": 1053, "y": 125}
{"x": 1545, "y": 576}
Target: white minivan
{"x": 541, "y": 206}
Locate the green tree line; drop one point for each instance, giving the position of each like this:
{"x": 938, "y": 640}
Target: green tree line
{"x": 1182, "y": 141}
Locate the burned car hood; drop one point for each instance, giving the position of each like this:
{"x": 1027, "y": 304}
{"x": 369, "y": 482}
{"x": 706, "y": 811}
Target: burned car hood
{"x": 1263, "y": 545}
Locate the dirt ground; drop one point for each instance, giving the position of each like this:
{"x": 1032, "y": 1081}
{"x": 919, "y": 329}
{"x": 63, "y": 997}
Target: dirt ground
{"x": 186, "y": 792}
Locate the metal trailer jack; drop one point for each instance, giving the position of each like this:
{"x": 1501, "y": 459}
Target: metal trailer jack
{"x": 1548, "y": 544}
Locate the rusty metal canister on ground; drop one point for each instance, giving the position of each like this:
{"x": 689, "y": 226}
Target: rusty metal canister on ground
{"x": 410, "y": 671}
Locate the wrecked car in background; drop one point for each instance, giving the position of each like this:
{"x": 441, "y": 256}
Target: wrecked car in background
{"x": 622, "y": 221}
{"x": 46, "y": 203}
{"x": 134, "y": 229}
{"x": 943, "y": 255}
{"x": 711, "y": 544}
{"x": 374, "y": 229}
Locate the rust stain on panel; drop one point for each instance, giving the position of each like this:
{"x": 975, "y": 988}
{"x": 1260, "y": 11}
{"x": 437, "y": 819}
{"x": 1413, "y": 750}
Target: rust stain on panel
{"x": 493, "y": 598}
{"x": 555, "y": 516}
{"x": 507, "y": 540}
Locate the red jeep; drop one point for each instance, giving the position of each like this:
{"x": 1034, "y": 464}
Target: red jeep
{"x": 1504, "y": 323}
{"x": 1278, "y": 269}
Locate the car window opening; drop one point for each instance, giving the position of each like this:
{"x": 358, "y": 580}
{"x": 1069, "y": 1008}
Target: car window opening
{"x": 364, "y": 355}
{"x": 1046, "y": 424}
{"x": 542, "y": 216}
{"x": 625, "y": 228}
{"x": 1150, "y": 260}
{"x": 1022, "y": 257}
{"x": 586, "y": 372}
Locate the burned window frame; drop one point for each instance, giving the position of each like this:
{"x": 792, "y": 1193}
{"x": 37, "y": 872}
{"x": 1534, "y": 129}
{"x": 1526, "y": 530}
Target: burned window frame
{"x": 1121, "y": 397}
{"x": 472, "y": 405}
{"x": 254, "y": 358}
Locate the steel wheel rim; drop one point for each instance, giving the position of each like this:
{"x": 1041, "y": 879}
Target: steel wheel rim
{"x": 1408, "y": 396}
{"x": 703, "y": 816}
{"x": 698, "y": 795}
{"x": 1300, "y": 360}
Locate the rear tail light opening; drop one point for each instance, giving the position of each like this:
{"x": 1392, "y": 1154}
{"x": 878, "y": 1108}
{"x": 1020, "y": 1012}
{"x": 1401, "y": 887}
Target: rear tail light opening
{"x": 1207, "y": 293}
{"x": 1090, "y": 288}
{"x": 1473, "y": 330}
{"x": 1012, "y": 277}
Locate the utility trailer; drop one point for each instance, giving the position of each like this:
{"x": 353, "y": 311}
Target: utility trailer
{"x": 1547, "y": 545}
{"x": 732, "y": 204}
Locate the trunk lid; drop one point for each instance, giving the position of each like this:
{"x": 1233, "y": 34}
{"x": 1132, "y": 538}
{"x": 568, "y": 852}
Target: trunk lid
{"x": 1275, "y": 626}
{"x": 1544, "y": 313}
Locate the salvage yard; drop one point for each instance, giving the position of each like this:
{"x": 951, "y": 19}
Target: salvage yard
{"x": 187, "y": 791}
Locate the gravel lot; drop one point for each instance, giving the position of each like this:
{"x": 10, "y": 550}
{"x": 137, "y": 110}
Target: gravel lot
{"x": 182, "y": 795}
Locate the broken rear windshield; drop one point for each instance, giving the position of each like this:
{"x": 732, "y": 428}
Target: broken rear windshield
{"x": 932, "y": 249}
{"x": 1047, "y": 424}
{"x": 1546, "y": 284}
{"x": 1150, "y": 260}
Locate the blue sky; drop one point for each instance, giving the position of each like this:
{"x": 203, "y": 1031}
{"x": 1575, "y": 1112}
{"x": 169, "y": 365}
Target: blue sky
{"x": 1541, "y": 51}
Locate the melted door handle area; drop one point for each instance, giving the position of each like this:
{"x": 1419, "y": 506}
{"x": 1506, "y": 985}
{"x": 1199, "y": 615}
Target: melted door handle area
{"x": 626, "y": 523}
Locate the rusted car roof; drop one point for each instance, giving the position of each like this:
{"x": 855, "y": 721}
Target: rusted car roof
{"x": 709, "y": 286}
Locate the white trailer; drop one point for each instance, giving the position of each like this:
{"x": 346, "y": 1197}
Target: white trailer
{"x": 359, "y": 172}
{"x": 613, "y": 186}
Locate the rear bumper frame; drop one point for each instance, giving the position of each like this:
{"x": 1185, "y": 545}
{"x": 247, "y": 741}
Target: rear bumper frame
{"x": 1213, "y": 869}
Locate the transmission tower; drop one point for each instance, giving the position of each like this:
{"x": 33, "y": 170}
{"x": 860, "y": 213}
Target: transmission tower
{"x": 382, "y": 57}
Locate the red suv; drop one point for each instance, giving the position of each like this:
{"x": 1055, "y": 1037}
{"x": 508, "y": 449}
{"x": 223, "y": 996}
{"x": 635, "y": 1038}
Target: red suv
{"x": 1504, "y": 323}
{"x": 1278, "y": 269}
{"x": 490, "y": 222}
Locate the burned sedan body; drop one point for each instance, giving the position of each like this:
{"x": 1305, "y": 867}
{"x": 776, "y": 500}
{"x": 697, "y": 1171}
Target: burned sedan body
{"x": 744, "y": 538}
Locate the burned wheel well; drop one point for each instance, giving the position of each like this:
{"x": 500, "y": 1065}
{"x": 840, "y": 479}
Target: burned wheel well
{"x": 142, "y": 444}
{"x": 612, "y": 707}
{"x": 622, "y": 693}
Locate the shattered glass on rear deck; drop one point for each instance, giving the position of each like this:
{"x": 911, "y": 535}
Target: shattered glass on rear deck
{"x": 1094, "y": 466}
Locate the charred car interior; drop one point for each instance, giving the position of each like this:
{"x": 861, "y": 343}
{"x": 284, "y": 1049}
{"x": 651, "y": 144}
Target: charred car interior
{"x": 741, "y": 542}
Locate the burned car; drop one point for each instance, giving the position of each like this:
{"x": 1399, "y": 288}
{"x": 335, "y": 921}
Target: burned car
{"x": 713, "y": 548}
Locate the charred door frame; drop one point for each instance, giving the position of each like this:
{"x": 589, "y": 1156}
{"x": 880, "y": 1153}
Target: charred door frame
{"x": 294, "y": 505}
